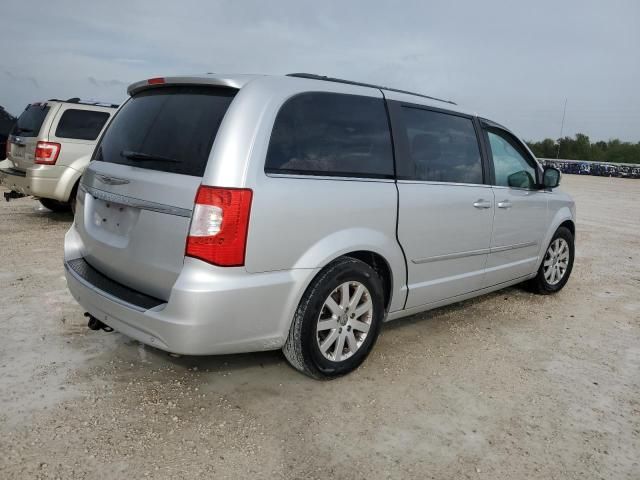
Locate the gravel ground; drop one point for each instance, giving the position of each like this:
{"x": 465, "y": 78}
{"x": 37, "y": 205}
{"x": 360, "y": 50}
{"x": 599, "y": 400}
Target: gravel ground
{"x": 509, "y": 385}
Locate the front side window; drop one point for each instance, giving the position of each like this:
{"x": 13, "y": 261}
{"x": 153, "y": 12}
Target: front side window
{"x": 509, "y": 163}
{"x": 81, "y": 124}
{"x": 331, "y": 134}
{"x": 442, "y": 147}
{"x": 31, "y": 120}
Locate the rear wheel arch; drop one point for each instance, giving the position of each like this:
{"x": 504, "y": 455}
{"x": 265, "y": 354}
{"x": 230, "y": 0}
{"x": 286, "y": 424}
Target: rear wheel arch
{"x": 569, "y": 225}
{"x": 380, "y": 264}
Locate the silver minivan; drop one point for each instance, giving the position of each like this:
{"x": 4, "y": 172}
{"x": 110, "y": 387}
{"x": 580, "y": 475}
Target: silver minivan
{"x": 237, "y": 213}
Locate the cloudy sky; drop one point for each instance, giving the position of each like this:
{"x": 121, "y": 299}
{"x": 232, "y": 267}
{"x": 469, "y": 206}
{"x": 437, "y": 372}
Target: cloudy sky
{"x": 512, "y": 61}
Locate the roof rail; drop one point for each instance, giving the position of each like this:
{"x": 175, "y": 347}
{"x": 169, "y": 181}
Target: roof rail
{"x": 85, "y": 102}
{"x": 313, "y": 76}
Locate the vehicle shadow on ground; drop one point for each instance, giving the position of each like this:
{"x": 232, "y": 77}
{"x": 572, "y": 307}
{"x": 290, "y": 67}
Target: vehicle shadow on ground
{"x": 275, "y": 359}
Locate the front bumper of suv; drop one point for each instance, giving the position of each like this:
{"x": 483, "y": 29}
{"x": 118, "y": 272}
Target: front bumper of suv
{"x": 210, "y": 310}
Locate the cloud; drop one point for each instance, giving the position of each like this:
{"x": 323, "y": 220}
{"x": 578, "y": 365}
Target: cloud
{"x": 513, "y": 62}
{"x": 106, "y": 83}
{"x": 20, "y": 78}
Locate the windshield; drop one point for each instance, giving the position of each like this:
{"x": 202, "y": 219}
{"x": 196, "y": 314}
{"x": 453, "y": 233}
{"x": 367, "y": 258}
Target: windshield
{"x": 170, "y": 129}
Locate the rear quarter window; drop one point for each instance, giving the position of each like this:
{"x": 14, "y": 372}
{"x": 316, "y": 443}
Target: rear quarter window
{"x": 31, "y": 120}
{"x": 169, "y": 129}
{"x": 331, "y": 134}
{"x": 81, "y": 124}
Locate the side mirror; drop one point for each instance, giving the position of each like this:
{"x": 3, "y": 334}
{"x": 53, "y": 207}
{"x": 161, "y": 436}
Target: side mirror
{"x": 551, "y": 177}
{"x": 521, "y": 179}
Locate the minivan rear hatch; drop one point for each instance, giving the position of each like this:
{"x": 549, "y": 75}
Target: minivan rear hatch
{"x": 137, "y": 195}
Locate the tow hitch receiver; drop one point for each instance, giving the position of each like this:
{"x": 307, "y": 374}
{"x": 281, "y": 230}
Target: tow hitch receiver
{"x": 95, "y": 324}
{"x": 13, "y": 194}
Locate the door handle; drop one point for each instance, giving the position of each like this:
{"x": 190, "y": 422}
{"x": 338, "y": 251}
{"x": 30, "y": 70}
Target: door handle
{"x": 504, "y": 204}
{"x": 481, "y": 203}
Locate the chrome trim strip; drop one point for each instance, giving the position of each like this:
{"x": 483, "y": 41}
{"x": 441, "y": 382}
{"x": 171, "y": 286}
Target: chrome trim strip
{"x": 101, "y": 292}
{"x": 471, "y": 253}
{"x": 513, "y": 247}
{"x": 135, "y": 202}
{"x": 451, "y": 256}
{"x": 453, "y": 184}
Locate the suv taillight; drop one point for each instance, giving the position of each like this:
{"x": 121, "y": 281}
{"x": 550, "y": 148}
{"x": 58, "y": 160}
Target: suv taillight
{"x": 47, "y": 153}
{"x": 219, "y": 224}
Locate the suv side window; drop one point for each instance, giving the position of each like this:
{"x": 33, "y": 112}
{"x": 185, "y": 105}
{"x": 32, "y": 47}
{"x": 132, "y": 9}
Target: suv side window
{"x": 442, "y": 147}
{"x": 331, "y": 134}
{"x": 510, "y": 163}
{"x": 81, "y": 124}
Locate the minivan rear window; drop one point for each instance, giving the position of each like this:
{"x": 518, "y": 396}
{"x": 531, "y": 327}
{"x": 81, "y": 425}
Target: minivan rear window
{"x": 31, "y": 120}
{"x": 170, "y": 129}
{"x": 81, "y": 124}
{"x": 331, "y": 134}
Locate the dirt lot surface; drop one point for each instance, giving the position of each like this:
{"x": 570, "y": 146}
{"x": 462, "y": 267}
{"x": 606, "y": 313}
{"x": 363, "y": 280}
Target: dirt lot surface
{"x": 509, "y": 385}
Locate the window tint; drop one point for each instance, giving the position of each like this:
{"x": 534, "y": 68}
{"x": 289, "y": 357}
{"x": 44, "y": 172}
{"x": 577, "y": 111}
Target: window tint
{"x": 331, "y": 134}
{"x": 81, "y": 124}
{"x": 31, "y": 120}
{"x": 442, "y": 147}
{"x": 511, "y": 167}
{"x": 169, "y": 129}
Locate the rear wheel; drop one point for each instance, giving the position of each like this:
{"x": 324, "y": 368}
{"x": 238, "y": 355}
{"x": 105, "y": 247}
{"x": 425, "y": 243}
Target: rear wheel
{"x": 557, "y": 264}
{"x": 54, "y": 205}
{"x": 337, "y": 321}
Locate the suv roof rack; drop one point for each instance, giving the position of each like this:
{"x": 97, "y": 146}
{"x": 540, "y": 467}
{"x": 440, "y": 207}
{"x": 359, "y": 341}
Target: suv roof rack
{"x": 313, "y": 76}
{"x": 85, "y": 102}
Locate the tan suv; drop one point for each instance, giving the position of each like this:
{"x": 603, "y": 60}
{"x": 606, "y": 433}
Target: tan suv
{"x": 49, "y": 148}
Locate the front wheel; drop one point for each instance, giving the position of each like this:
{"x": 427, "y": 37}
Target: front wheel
{"x": 557, "y": 264}
{"x": 337, "y": 321}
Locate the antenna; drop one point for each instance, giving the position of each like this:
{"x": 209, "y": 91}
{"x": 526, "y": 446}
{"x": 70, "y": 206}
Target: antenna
{"x": 564, "y": 112}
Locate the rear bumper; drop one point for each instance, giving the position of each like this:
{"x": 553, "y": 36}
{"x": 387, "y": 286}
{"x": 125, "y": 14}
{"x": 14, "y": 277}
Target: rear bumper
{"x": 52, "y": 181}
{"x": 210, "y": 310}
{"x": 15, "y": 180}
{"x": 45, "y": 181}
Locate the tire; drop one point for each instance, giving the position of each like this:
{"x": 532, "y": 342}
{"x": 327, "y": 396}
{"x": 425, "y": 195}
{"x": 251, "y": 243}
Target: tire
{"x": 54, "y": 205}
{"x": 72, "y": 199}
{"x": 544, "y": 283}
{"x": 303, "y": 347}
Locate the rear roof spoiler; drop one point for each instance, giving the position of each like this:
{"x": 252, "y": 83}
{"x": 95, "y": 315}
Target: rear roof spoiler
{"x": 209, "y": 79}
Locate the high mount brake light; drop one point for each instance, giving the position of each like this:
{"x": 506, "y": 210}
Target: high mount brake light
{"x": 47, "y": 153}
{"x": 156, "y": 81}
{"x": 219, "y": 225}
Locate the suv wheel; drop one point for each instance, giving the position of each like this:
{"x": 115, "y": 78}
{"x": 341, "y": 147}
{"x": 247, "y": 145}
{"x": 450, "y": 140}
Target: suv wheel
{"x": 337, "y": 321}
{"x": 557, "y": 264}
{"x": 54, "y": 205}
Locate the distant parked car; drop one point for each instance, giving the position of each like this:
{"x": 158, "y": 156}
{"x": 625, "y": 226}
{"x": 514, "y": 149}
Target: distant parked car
{"x": 224, "y": 214}
{"x": 50, "y": 147}
{"x": 7, "y": 121}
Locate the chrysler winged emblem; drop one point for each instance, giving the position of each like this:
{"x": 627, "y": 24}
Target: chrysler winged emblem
{"x": 106, "y": 179}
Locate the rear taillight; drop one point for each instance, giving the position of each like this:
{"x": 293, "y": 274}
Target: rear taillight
{"x": 47, "y": 153}
{"x": 219, "y": 224}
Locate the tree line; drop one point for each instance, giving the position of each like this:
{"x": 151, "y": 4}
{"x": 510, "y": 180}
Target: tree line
{"x": 581, "y": 148}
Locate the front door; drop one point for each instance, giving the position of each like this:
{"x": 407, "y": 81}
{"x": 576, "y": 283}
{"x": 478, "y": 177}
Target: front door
{"x": 521, "y": 209}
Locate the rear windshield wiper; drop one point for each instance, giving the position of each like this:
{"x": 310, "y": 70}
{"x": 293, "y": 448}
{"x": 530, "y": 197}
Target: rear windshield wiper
{"x": 146, "y": 157}
{"x": 25, "y": 130}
